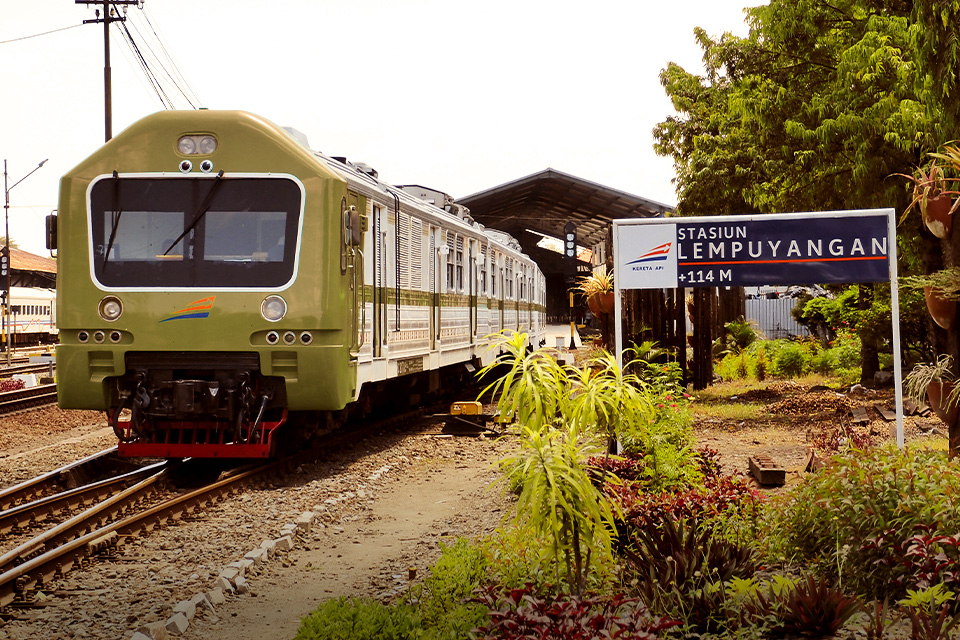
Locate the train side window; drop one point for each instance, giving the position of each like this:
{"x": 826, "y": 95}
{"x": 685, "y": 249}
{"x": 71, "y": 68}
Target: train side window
{"x": 483, "y": 270}
{"x": 451, "y": 244}
{"x": 459, "y": 262}
{"x": 416, "y": 253}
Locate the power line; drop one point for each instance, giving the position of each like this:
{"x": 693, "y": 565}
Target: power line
{"x": 159, "y": 63}
{"x": 145, "y": 67}
{"x": 37, "y": 35}
{"x": 145, "y": 13}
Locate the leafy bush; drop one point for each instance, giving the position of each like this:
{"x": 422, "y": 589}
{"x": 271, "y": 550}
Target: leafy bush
{"x": 360, "y": 619}
{"x": 845, "y": 349}
{"x": 680, "y": 569}
{"x": 850, "y": 520}
{"x": 728, "y": 505}
{"x": 559, "y": 501}
{"x": 790, "y": 361}
{"x": 920, "y": 561}
{"x": 442, "y": 599}
{"x": 518, "y": 614}
{"x": 929, "y": 611}
{"x": 780, "y": 606}
{"x": 734, "y": 366}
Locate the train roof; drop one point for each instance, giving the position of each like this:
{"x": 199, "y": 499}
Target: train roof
{"x": 363, "y": 175}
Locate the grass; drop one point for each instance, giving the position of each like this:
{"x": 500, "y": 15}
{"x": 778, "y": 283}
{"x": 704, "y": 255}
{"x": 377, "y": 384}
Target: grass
{"x": 718, "y": 400}
{"x": 731, "y": 410}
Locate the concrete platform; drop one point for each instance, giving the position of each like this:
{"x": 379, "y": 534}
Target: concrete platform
{"x": 555, "y": 331}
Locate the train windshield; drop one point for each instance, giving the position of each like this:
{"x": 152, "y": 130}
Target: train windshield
{"x": 194, "y": 232}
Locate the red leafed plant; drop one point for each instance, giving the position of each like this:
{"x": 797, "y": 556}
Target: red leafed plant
{"x": 815, "y": 607}
{"x": 520, "y": 614}
{"x": 9, "y": 384}
{"x": 920, "y": 561}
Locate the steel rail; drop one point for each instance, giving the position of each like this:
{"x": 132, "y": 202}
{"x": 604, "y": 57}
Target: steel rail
{"x": 25, "y": 398}
{"x": 46, "y": 564}
{"x": 33, "y": 488}
{"x": 90, "y": 520}
{"x": 32, "y": 513}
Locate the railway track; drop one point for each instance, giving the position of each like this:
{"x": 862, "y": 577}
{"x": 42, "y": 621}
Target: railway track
{"x": 127, "y": 507}
{"x": 21, "y": 399}
{"x": 130, "y": 512}
{"x": 93, "y": 467}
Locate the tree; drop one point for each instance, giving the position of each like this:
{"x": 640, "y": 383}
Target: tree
{"x": 814, "y": 110}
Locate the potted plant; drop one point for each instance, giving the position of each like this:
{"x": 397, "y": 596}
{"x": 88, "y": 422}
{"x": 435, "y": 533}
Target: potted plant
{"x": 932, "y": 197}
{"x": 941, "y": 291}
{"x": 598, "y": 289}
{"x": 934, "y": 383}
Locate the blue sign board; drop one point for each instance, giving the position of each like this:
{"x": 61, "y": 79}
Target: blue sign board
{"x": 755, "y": 250}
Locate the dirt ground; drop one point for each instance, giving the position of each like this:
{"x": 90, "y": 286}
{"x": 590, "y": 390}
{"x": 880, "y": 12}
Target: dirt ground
{"x": 803, "y": 421}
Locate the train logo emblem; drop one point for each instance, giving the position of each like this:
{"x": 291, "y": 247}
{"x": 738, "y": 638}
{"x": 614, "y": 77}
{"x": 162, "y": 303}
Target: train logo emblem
{"x": 657, "y": 254}
{"x": 196, "y": 309}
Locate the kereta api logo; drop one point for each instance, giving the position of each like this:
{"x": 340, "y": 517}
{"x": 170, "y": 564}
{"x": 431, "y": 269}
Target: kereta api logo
{"x": 197, "y": 309}
{"x": 657, "y": 254}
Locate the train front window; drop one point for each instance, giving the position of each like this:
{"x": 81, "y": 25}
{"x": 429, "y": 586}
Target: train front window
{"x": 194, "y": 232}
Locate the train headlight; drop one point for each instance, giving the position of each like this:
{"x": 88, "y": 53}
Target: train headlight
{"x": 273, "y": 308}
{"x": 187, "y": 145}
{"x": 111, "y": 308}
{"x": 196, "y": 145}
{"x": 208, "y": 144}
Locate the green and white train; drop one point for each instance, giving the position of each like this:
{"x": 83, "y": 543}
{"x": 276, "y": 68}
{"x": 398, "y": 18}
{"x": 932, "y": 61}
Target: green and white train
{"x": 222, "y": 287}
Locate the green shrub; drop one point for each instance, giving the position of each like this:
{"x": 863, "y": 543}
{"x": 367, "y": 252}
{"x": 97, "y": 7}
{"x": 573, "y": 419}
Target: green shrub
{"x": 360, "y": 619}
{"x": 845, "y": 349}
{"x": 441, "y": 599}
{"x": 849, "y": 519}
{"x": 734, "y": 366}
{"x": 790, "y": 361}
{"x": 761, "y": 365}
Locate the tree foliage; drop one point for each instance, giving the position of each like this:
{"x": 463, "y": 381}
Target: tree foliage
{"x": 811, "y": 111}
{"x": 815, "y": 109}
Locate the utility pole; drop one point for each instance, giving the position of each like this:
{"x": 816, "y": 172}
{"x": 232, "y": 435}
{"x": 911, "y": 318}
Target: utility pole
{"x": 109, "y": 15}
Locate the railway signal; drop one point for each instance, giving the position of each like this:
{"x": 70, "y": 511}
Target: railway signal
{"x": 4, "y": 266}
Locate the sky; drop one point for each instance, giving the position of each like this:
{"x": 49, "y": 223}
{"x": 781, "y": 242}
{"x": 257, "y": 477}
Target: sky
{"x": 453, "y": 95}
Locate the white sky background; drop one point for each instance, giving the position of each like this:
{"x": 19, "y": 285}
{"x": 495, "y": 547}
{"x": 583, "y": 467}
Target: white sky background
{"x": 457, "y": 96}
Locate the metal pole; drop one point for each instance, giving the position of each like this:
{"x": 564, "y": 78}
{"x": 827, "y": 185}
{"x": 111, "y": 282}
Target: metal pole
{"x": 107, "y": 84}
{"x": 6, "y": 219}
{"x": 7, "y": 334}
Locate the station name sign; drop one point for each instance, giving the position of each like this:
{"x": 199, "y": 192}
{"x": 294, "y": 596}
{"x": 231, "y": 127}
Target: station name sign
{"x": 814, "y": 248}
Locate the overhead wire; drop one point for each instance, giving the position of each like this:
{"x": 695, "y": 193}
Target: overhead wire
{"x": 145, "y": 67}
{"x": 37, "y": 35}
{"x": 155, "y": 62}
{"x": 171, "y": 60}
{"x": 158, "y": 63}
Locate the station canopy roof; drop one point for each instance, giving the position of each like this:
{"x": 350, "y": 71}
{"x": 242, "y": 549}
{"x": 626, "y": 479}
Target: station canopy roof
{"x": 544, "y": 202}
{"x": 30, "y": 270}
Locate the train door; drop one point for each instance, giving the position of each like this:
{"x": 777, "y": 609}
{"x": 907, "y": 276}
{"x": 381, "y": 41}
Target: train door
{"x": 502, "y": 298}
{"x": 472, "y": 288}
{"x": 379, "y": 285}
{"x": 483, "y": 314}
{"x": 434, "y": 286}
{"x": 528, "y": 297}
{"x": 353, "y": 260}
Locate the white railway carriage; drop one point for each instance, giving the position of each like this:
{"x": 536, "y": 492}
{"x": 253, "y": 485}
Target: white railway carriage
{"x": 435, "y": 283}
{"x": 33, "y": 315}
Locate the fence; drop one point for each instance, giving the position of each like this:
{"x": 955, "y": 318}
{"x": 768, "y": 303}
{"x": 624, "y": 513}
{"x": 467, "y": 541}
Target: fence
{"x": 773, "y": 318}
